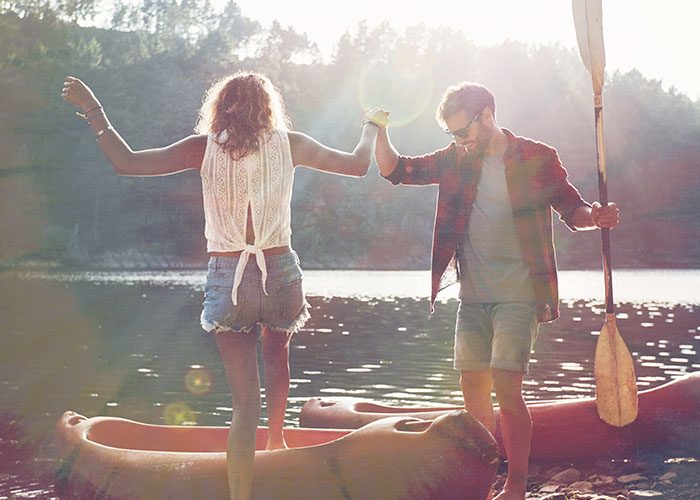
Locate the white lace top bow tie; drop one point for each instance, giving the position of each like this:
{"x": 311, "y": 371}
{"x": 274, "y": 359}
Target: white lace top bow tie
{"x": 240, "y": 269}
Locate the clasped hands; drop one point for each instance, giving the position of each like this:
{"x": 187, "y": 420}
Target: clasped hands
{"x": 376, "y": 116}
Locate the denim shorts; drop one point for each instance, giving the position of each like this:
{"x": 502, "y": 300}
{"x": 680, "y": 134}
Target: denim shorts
{"x": 284, "y": 308}
{"x": 499, "y": 335}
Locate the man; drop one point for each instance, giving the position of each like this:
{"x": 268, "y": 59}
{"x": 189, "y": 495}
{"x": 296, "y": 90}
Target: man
{"x": 493, "y": 226}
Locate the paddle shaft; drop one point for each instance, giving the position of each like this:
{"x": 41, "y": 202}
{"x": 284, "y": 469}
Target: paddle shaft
{"x": 615, "y": 379}
{"x": 603, "y": 195}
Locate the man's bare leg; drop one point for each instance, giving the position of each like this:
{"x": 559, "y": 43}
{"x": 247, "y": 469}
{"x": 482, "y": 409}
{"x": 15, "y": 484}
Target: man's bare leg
{"x": 476, "y": 388}
{"x": 516, "y": 431}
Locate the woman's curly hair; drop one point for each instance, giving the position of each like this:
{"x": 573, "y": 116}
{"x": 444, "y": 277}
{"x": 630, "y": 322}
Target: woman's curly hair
{"x": 244, "y": 105}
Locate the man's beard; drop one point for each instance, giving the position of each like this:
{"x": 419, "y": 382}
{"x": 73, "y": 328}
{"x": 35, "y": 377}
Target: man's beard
{"x": 482, "y": 142}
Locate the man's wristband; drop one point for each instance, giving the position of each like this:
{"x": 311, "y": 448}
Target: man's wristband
{"x": 369, "y": 121}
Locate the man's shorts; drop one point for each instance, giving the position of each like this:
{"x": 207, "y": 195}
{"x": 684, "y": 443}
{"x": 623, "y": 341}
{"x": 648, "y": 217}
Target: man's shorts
{"x": 283, "y": 308}
{"x": 498, "y": 335}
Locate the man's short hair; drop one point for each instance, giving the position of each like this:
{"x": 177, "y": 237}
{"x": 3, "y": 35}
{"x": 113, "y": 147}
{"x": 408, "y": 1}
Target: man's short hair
{"x": 469, "y": 96}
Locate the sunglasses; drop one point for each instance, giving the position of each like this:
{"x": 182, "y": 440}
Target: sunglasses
{"x": 464, "y": 131}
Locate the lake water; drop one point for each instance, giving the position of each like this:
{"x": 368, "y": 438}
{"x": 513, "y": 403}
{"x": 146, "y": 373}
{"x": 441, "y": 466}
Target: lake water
{"x": 129, "y": 344}
{"x": 659, "y": 285}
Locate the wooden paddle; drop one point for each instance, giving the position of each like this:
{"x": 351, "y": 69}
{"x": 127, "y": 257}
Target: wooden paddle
{"x": 616, "y": 385}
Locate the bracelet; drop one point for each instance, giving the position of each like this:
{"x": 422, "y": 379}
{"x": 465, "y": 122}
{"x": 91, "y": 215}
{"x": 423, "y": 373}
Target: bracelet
{"x": 84, "y": 115}
{"x": 369, "y": 121}
{"x": 101, "y": 132}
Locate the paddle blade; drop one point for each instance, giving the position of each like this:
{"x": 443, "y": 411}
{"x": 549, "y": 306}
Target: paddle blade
{"x": 588, "y": 20}
{"x": 616, "y": 386}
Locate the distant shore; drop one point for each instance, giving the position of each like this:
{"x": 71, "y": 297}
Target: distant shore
{"x": 165, "y": 263}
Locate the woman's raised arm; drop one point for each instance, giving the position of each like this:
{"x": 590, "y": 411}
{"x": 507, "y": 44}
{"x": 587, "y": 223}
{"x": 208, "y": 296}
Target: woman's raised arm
{"x": 182, "y": 155}
{"x": 308, "y": 152}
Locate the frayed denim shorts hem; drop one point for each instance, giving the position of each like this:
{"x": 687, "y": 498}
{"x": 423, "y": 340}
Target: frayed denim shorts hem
{"x": 283, "y": 308}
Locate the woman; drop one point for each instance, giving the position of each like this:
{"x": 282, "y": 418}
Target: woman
{"x": 246, "y": 157}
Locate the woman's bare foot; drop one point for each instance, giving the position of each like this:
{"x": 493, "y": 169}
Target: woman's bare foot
{"x": 276, "y": 444}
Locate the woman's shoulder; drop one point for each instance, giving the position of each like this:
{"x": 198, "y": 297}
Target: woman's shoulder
{"x": 197, "y": 139}
{"x": 298, "y": 139}
{"x": 192, "y": 143}
{"x": 300, "y": 146}
{"x": 194, "y": 148}
{"x": 282, "y": 133}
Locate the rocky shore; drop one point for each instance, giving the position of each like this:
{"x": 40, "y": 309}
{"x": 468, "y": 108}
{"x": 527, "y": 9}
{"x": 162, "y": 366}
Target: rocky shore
{"x": 655, "y": 477}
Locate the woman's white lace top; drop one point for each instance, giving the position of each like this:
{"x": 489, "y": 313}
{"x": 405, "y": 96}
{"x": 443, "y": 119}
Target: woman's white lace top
{"x": 262, "y": 179}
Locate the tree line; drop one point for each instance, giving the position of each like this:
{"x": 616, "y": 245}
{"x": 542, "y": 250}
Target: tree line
{"x": 151, "y": 61}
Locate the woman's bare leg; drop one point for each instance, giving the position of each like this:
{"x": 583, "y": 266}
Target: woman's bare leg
{"x": 238, "y": 353}
{"x": 275, "y": 347}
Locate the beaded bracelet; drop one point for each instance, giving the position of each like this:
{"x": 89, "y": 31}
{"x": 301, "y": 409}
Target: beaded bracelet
{"x": 100, "y": 133}
{"x": 84, "y": 115}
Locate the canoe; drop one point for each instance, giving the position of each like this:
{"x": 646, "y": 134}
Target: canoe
{"x": 563, "y": 430}
{"x": 453, "y": 456}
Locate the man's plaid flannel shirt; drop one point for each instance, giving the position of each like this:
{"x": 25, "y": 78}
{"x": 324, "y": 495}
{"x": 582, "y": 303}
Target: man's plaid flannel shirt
{"x": 537, "y": 182}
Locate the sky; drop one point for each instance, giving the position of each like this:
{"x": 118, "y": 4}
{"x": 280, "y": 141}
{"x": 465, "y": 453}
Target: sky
{"x": 661, "y": 42}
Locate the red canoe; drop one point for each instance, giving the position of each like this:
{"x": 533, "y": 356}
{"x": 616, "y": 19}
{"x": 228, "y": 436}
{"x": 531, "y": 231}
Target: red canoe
{"x": 564, "y": 430}
{"x": 400, "y": 457}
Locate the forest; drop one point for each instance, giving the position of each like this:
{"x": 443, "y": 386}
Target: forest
{"x": 150, "y": 62}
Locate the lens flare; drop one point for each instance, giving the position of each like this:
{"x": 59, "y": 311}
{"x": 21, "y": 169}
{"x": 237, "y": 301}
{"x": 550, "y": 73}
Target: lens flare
{"x": 402, "y": 88}
{"x": 198, "y": 380}
{"x": 179, "y": 414}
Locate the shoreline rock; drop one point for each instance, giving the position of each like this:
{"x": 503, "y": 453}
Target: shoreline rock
{"x": 632, "y": 479}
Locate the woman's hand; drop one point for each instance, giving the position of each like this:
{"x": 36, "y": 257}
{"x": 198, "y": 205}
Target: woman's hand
{"x": 79, "y": 94}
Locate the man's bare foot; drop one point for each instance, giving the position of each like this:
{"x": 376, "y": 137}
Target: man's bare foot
{"x": 510, "y": 495}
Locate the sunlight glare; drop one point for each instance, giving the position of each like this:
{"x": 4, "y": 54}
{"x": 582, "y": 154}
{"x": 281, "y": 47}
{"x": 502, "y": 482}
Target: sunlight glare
{"x": 402, "y": 89}
{"x": 179, "y": 414}
{"x": 658, "y": 41}
{"x": 198, "y": 380}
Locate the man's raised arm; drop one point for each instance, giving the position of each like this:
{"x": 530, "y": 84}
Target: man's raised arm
{"x": 385, "y": 154}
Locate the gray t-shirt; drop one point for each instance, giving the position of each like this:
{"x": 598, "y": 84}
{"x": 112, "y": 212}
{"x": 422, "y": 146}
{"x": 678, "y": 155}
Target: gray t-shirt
{"x": 490, "y": 257}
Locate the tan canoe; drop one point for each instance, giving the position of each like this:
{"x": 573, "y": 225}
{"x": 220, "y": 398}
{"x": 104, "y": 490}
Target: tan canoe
{"x": 563, "y": 430}
{"x": 396, "y": 458}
